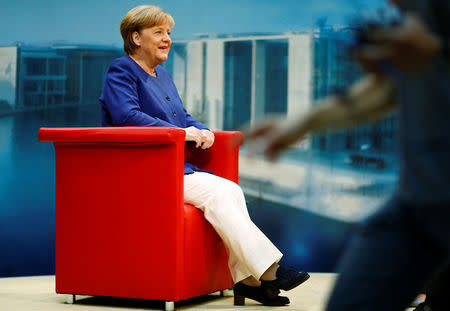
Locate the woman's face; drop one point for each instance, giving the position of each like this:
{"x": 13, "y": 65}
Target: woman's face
{"x": 155, "y": 42}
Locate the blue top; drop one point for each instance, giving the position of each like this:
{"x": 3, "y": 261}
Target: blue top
{"x": 132, "y": 97}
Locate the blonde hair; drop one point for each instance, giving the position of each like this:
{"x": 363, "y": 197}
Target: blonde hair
{"x": 141, "y": 17}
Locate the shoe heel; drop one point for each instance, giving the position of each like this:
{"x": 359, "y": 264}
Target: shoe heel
{"x": 239, "y": 300}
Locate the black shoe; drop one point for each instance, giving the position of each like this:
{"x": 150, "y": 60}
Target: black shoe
{"x": 266, "y": 296}
{"x": 287, "y": 279}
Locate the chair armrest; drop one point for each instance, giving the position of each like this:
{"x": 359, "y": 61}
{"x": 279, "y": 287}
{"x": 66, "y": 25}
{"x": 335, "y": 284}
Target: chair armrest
{"x": 222, "y": 158}
{"x": 127, "y": 134}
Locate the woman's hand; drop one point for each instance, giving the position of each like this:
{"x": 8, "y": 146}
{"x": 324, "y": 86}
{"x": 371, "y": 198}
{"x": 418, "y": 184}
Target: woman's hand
{"x": 207, "y": 139}
{"x": 202, "y": 138}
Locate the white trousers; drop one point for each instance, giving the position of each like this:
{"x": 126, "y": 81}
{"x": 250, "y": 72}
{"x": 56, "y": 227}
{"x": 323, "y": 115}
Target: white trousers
{"x": 222, "y": 201}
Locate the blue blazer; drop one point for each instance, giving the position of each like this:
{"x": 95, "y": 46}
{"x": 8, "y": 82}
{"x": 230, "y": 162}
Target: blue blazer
{"x": 132, "y": 97}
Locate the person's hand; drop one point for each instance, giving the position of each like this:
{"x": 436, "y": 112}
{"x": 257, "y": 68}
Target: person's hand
{"x": 202, "y": 138}
{"x": 207, "y": 138}
{"x": 193, "y": 134}
{"x": 272, "y": 136}
{"x": 410, "y": 47}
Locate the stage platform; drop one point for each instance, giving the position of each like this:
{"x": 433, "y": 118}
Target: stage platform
{"x": 38, "y": 293}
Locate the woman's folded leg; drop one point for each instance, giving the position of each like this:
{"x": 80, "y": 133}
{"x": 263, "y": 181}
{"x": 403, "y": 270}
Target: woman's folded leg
{"x": 250, "y": 252}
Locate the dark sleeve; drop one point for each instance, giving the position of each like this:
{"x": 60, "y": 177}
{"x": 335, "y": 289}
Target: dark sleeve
{"x": 122, "y": 102}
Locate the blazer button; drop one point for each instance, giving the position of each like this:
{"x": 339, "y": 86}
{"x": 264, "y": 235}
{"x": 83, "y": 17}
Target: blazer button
{"x": 174, "y": 113}
{"x": 167, "y": 98}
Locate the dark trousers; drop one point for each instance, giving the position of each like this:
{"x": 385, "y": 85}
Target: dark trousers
{"x": 391, "y": 258}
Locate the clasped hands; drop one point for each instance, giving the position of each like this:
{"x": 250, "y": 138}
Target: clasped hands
{"x": 202, "y": 138}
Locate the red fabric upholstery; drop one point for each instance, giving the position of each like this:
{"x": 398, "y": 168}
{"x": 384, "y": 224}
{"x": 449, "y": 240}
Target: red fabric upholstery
{"x": 122, "y": 228}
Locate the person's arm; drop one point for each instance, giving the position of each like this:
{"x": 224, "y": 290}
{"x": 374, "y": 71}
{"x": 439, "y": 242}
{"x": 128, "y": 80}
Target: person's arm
{"x": 122, "y": 102}
{"x": 367, "y": 100}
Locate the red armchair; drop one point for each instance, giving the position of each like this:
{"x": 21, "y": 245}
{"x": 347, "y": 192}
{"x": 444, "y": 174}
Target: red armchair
{"x": 122, "y": 228}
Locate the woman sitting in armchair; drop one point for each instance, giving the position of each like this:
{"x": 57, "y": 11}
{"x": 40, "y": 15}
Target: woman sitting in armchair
{"x": 139, "y": 92}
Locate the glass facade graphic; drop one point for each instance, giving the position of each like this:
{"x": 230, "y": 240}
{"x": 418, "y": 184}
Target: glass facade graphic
{"x": 58, "y": 75}
{"x": 275, "y": 75}
{"x": 41, "y": 78}
{"x": 85, "y": 71}
{"x": 238, "y": 84}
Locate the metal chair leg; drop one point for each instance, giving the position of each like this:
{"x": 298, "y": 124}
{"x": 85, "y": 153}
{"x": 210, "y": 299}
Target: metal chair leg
{"x": 170, "y": 306}
{"x": 71, "y": 299}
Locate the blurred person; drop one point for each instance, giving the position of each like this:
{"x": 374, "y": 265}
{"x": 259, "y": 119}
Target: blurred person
{"x": 139, "y": 92}
{"x": 407, "y": 241}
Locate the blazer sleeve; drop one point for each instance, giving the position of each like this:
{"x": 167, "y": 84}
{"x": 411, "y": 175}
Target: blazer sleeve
{"x": 122, "y": 102}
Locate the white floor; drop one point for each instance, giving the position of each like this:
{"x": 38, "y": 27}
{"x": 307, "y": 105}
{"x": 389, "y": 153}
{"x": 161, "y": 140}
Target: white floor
{"x": 38, "y": 294}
